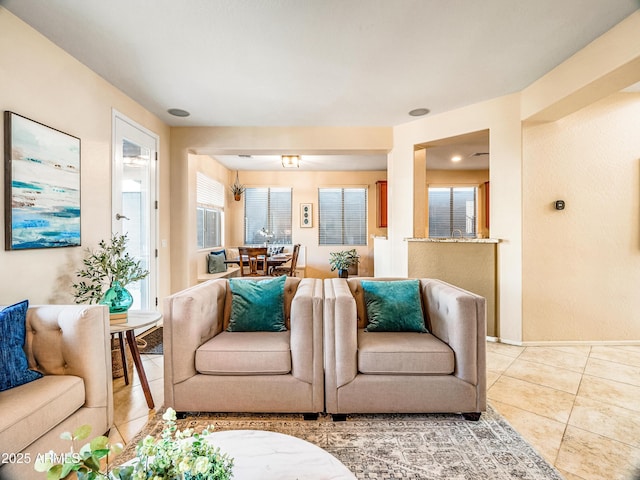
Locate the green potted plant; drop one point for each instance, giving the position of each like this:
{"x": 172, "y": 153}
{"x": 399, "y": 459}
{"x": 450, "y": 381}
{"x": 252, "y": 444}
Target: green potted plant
{"x": 237, "y": 189}
{"x": 341, "y": 261}
{"x": 177, "y": 454}
{"x": 106, "y": 273}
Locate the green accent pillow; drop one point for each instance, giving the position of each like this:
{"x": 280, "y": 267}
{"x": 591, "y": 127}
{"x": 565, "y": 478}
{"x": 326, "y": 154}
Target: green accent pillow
{"x": 14, "y": 369}
{"x": 393, "y": 306}
{"x": 257, "y": 306}
{"x": 215, "y": 262}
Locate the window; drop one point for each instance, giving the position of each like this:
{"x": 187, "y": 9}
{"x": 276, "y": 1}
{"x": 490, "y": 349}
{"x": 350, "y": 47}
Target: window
{"x": 210, "y": 211}
{"x": 342, "y": 216}
{"x": 267, "y": 217}
{"x": 452, "y": 212}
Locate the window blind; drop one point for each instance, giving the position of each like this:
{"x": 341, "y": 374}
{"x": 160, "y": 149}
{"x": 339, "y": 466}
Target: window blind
{"x": 267, "y": 217}
{"x": 209, "y": 191}
{"x": 342, "y": 216}
{"x": 210, "y": 211}
{"x": 452, "y": 211}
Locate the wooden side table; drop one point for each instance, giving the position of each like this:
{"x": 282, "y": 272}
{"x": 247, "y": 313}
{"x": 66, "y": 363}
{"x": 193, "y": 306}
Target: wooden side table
{"x": 136, "y": 319}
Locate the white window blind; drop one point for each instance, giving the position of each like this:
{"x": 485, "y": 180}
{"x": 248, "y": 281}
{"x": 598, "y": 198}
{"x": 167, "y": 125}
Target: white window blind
{"x": 210, "y": 211}
{"x": 452, "y": 211}
{"x": 267, "y": 217}
{"x": 342, "y": 215}
{"x": 209, "y": 191}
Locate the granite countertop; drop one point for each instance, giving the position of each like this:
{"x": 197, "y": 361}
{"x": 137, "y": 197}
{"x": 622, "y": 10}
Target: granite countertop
{"x": 454, "y": 240}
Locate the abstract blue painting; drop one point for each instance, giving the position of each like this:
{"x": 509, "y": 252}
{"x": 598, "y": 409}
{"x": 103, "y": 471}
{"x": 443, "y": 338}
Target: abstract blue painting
{"x": 42, "y": 185}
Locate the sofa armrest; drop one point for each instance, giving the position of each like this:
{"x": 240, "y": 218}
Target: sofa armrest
{"x": 306, "y": 331}
{"x": 458, "y": 318}
{"x": 73, "y": 340}
{"x": 191, "y": 317}
{"x": 340, "y": 334}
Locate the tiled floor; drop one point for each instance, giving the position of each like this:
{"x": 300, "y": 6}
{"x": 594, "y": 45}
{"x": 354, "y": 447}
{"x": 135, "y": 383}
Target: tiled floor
{"x": 131, "y": 410}
{"x": 578, "y": 406}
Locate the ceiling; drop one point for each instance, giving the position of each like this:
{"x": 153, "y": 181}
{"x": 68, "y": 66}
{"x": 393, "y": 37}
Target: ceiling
{"x": 307, "y": 162}
{"x": 318, "y": 62}
{"x": 471, "y": 148}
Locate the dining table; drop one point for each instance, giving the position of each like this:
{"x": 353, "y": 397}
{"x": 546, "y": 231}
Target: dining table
{"x": 272, "y": 260}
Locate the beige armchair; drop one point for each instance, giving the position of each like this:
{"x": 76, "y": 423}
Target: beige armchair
{"x": 387, "y": 372}
{"x": 210, "y": 369}
{"x": 70, "y": 345}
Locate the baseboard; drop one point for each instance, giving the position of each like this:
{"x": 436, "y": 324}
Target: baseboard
{"x": 565, "y": 343}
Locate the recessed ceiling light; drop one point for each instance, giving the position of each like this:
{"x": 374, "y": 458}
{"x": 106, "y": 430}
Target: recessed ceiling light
{"x": 456, "y": 158}
{"x": 178, "y": 112}
{"x": 418, "y": 112}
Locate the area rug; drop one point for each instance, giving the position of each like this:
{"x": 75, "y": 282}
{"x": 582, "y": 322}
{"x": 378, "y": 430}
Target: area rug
{"x": 150, "y": 342}
{"x": 395, "y": 446}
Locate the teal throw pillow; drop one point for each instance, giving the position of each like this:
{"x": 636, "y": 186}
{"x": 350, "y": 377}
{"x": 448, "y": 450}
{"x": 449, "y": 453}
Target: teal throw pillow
{"x": 393, "y": 306}
{"x": 215, "y": 262}
{"x": 14, "y": 369}
{"x": 257, "y": 306}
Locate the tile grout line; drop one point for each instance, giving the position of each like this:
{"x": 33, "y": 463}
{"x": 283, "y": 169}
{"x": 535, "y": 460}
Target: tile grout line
{"x": 566, "y": 426}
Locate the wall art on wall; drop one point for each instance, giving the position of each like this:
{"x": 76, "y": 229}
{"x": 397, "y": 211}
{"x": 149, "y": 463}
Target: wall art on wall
{"x": 306, "y": 215}
{"x": 42, "y": 185}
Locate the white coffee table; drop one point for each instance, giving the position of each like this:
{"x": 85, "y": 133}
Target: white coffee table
{"x": 265, "y": 455}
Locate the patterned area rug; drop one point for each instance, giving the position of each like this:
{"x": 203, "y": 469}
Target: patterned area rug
{"x": 150, "y": 342}
{"x": 396, "y": 446}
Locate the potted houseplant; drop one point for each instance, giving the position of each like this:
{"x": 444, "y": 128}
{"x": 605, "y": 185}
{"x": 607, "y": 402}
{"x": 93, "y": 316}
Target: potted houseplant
{"x": 237, "y": 189}
{"x": 106, "y": 273}
{"x": 341, "y": 261}
{"x": 177, "y": 454}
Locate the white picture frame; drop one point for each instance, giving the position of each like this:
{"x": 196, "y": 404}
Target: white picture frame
{"x": 306, "y": 215}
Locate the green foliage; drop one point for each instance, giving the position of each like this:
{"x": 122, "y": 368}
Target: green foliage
{"x": 85, "y": 463}
{"x": 110, "y": 262}
{"x": 344, "y": 259}
{"x": 237, "y": 188}
{"x": 176, "y": 455}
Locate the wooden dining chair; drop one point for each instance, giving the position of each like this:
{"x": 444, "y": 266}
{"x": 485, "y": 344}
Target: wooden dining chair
{"x": 290, "y": 269}
{"x": 254, "y": 259}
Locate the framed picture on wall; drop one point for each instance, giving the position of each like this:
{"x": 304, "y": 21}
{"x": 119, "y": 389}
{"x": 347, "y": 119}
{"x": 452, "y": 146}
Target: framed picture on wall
{"x": 306, "y": 215}
{"x": 42, "y": 185}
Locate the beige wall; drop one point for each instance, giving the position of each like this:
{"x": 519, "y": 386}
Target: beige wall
{"x": 602, "y": 68}
{"x": 582, "y": 264}
{"x": 501, "y": 117}
{"x": 40, "y": 81}
{"x": 197, "y": 259}
{"x": 305, "y": 190}
{"x": 188, "y": 144}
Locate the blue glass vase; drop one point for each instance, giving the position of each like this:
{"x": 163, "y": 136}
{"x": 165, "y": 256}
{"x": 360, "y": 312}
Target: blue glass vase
{"x": 117, "y": 298}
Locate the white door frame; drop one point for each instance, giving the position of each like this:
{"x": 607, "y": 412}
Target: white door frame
{"x": 141, "y": 135}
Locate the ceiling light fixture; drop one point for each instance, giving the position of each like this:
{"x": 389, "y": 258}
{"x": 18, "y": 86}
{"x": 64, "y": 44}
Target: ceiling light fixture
{"x": 456, "y": 158}
{"x": 178, "y": 112}
{"x": 291, "y": 161}
{"x": 419, "y": 112}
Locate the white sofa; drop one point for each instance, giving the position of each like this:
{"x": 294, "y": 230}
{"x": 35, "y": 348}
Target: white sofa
{"x": 70, "y": 345}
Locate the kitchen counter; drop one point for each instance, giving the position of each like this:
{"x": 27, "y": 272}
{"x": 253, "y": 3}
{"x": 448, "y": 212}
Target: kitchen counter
{"x": 454, "y": 240}
{"x": 468, "y": 263}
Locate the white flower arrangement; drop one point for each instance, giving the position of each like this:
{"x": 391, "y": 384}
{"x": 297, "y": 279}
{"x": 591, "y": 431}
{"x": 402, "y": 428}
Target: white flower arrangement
{"x": 176, "y": 455}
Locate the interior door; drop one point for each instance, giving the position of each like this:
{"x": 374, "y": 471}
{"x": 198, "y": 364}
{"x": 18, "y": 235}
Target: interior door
{"x": 134, "y": 205}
